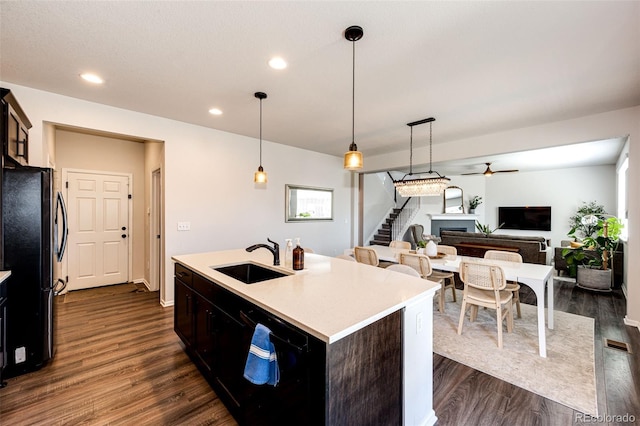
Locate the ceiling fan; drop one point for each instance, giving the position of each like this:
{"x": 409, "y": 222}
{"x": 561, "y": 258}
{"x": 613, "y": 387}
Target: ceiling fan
{"x": 490, "y": 172}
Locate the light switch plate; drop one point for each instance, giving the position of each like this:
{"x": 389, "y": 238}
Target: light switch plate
{"x": 184, "y": 226}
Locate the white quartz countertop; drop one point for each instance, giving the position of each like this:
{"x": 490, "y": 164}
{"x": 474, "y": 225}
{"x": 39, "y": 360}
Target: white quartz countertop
{"x": 4, "y": 275}
{"x": 330, "y": 299}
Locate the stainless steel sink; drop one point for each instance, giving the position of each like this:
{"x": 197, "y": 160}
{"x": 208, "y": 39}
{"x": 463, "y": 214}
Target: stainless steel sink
{"x": 249, "y": 273}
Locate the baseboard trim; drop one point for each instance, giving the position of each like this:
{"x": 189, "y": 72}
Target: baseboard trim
{"x": 632, "y": 323}
{"x": 142, "y": 281}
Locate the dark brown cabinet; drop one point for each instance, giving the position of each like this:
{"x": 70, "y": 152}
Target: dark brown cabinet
{"x": 205, "y": 321}
{"x": 183, "y": 310}
{"x": 319, "y": 383}
{"x": 3, "y": 329}
{"x": 216, "y": 327}
{"x": 15, "y": 130}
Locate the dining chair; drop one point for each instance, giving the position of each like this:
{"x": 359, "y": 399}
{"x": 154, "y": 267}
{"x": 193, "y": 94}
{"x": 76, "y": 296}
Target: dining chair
{"x": 405, "y": 269}
{"x": 400, "y": 244}
{"x": 422, "y": 264}
{"x": 484, "y": 285}
{"x": 366, "y": 255}
{"x": 512, "y": 286}
{"x": 448, "y": 250}
{"x": 446, "y": 276}
{"x": 346, "y": 257}
{"x": 417, "y": 233}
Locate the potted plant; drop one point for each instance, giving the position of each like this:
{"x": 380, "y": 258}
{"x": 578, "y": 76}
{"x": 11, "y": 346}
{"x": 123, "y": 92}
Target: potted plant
{"x": 591, "y": 263}
{"x": 579, "y": 228}
{"x": 485, "y": 229}
{"x": 474, "y": 202}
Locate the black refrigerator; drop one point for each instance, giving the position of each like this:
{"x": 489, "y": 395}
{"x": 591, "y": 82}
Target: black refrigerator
{"x": 28, "y": 235}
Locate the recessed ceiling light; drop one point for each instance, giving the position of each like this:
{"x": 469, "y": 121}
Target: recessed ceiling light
{"x": 92, "y": 78}
{"x": 215, "y": 111}
{"x": 277, "y": 63}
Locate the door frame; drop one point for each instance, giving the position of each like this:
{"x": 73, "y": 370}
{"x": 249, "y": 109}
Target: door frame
{"x": 156, "y": 267}
{"x": 65, "y": 192}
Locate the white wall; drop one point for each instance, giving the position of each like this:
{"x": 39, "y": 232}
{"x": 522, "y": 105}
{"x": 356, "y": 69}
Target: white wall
{"x": 563, "y": 189}
{"x": 377, "y": 203}
{"x": 153, "y": 160}
{"x": 208, "y": 178}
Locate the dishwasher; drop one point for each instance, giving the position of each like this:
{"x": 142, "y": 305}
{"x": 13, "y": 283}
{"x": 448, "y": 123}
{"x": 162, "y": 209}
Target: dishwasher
{"x": 298, "y": 398}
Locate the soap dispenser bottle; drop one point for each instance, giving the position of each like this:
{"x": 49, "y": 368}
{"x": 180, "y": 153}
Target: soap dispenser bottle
{"x": 288, "y": 254}
{"x": 298, "y": 257}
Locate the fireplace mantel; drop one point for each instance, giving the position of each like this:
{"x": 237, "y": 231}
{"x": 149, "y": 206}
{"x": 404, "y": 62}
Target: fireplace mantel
{"x": 453, "y": 216}
{"x": 452, "y": 222}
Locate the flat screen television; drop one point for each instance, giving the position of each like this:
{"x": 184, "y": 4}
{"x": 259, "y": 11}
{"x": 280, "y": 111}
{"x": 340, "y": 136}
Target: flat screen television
{"x": 525, "y": 218}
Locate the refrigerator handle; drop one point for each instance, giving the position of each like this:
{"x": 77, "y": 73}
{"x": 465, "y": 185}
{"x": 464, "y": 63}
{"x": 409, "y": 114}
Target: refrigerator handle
{"x": 58, "y": 288}
{"x": 63, "y": 244}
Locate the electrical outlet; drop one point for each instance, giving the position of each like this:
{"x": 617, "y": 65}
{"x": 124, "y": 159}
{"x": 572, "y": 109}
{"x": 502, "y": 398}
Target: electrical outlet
{"x": 184, "y": 226}
{"x": 21, "y": 355}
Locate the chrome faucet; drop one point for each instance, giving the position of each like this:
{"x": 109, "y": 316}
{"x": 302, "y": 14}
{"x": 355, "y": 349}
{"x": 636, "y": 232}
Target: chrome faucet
{"x": 275, "y": 250}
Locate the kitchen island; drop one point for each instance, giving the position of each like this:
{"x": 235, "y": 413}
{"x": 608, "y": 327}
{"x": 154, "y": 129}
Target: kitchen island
{"x": 354, "y": 341}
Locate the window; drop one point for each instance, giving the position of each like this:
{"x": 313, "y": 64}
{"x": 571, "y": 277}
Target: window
{"x": 305, "y": 203}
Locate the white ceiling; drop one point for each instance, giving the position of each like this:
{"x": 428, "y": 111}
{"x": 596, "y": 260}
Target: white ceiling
{"x": 479, "y": 67}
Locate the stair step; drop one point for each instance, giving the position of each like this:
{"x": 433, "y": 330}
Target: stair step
{"x": 378, "y": 243}
{"x": 382, "y": 237}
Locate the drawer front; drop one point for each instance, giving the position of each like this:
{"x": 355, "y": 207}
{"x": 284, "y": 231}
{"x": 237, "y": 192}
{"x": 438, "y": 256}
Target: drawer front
{"x": 183, "y": 274}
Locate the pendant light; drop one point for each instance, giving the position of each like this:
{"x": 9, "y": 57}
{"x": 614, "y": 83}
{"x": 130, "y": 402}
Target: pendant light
{"x": 260, "y": 176}
{"x": 421, "y": 187}
{"x": 353, "y": 157}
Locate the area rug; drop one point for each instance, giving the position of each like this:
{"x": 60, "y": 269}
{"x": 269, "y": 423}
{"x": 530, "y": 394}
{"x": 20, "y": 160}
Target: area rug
{"x": 91, "y": 293}
{"x": 566, "y": 376}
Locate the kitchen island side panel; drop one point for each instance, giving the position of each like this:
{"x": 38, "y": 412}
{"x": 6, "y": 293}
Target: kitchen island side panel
{"x": 364, "y": 375}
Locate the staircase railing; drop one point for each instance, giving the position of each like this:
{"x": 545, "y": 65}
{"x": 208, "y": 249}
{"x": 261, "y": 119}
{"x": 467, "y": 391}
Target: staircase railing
{"x": 406, "y": 213}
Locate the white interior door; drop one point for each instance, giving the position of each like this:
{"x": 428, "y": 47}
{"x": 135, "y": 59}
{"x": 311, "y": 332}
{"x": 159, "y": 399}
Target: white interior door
{"x": 98, "y": 242}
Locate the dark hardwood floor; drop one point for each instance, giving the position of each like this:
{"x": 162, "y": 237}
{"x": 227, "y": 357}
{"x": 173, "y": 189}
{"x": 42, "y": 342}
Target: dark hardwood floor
{"x": 119, "y": 362}
{"x": 464, "y": 396}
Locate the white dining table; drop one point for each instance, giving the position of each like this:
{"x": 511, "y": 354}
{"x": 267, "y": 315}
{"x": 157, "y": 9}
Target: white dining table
{"x": 535, "y": 276}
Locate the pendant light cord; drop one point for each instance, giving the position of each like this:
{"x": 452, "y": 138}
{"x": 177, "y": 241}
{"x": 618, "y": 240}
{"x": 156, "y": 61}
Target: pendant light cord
{"x": 411, "y": 153}
{"x": 353, "y": 93}
{"x": 260, "y": 132}
{"x": 430, "y": 146}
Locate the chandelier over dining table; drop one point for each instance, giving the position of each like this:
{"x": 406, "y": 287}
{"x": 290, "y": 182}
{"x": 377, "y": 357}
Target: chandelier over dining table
{"x": 421, "y": 186}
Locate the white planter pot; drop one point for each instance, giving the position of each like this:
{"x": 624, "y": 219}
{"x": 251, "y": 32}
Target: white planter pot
{"x": 594, "y": 279}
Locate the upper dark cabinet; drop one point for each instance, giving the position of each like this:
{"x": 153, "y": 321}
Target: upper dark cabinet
{"x": 14, "y": 130}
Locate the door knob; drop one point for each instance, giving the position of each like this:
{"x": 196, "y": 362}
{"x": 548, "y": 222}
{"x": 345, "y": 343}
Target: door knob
{"x": 124, "y": 235}
{"x": 124, "y": 228}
